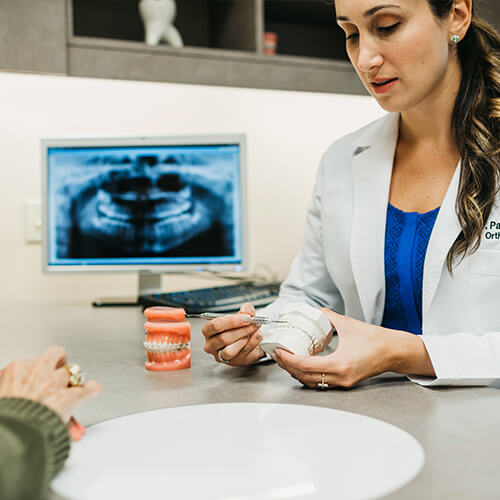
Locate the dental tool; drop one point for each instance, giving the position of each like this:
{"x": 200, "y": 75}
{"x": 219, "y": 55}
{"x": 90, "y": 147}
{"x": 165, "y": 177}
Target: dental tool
{"x": 256, "y": 320}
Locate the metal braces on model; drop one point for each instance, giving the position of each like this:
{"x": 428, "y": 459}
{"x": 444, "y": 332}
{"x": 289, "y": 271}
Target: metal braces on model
{"x": 166, "y": 346}
{"x": 168, "y": 339}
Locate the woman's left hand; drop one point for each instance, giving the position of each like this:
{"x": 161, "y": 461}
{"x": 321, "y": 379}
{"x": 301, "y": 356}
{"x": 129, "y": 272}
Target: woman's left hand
{"x": 363, "y": 351}
{"x": 45, "y": 378}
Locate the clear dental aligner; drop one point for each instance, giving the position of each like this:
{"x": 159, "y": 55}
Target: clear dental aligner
{"x": 168, "y": 339}
{"x": 305, "y": 335}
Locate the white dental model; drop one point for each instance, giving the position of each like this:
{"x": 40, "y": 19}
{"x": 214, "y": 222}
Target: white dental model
{"x": 304, "y": 334}
{"x": 158, "y": 17}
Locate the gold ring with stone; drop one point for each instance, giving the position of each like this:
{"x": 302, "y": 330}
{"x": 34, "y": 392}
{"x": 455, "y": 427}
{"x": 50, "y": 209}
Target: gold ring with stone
{"x": 76, "y": 375}
{"x": 323, "y": 384}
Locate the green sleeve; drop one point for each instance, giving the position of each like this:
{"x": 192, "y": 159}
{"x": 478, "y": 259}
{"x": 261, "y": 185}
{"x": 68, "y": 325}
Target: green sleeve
{"x": 34, "y": 443}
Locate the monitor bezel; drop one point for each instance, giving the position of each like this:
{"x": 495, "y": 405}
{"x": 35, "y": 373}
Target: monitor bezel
{"x": 181, "y": 140}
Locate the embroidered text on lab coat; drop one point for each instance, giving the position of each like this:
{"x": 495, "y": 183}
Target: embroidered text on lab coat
{"x": 492, "y": 230}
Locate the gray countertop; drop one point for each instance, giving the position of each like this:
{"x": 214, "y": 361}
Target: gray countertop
{"x": 459, "y": 428}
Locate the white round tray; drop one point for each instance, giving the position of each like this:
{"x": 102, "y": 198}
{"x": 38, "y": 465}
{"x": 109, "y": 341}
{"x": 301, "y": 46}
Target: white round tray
{"x": 240, "y": 451}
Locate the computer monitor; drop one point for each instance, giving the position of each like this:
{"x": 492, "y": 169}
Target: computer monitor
{"x": 148, "y": 205}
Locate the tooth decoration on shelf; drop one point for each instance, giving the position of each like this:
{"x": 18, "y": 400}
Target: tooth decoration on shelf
{"x": 158, "y": 18}
{"x": 168, "y": 339}
{"x": 305, "y": 334}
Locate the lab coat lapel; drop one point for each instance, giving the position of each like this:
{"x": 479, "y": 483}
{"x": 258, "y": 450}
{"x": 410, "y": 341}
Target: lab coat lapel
{"x": 445, "y": 232}
{"x": 372, "y": 167}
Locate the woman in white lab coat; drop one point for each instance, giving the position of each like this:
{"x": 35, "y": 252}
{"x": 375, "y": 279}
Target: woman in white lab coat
{"x": 402, "y": 241}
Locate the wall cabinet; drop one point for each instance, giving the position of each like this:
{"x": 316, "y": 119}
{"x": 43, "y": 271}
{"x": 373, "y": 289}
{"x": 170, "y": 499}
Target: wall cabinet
{"x": 303, "y": 27}
{"x": 223, "y": 38}
{"x": 217, "y": 24}
{"x": 223, "y": 42}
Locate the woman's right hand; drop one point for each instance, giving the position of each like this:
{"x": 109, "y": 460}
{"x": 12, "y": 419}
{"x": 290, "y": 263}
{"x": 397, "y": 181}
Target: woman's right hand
{"x": 234, "y": 338}
{"x": 44, "y": 378}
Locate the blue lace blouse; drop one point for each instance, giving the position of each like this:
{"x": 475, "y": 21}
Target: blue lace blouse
{"x": 406, "y": 238}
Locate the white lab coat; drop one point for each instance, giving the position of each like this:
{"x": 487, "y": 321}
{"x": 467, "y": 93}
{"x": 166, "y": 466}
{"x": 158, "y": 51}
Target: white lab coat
{"x": 341, "y": 264}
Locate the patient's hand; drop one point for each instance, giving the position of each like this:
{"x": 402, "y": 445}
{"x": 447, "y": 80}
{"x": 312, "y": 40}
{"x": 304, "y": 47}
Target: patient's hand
{"x": 233, "y": 339}
{"x": 45, "y": 379}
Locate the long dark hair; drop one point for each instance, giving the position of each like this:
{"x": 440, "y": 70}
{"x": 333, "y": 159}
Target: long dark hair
{"x": 475, "y": 123}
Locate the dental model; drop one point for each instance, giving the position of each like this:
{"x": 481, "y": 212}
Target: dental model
{"x": 168, "y": 339}
{"x": 304, "y": 334}
{"x": 158, "y": 17}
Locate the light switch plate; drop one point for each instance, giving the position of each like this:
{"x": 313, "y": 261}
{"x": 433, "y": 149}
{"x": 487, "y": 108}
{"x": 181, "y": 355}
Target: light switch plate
{"x": 32, "y": 220}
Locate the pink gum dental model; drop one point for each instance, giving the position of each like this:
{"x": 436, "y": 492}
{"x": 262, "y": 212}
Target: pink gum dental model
{"x": 168, "y": 339}
{"x": 304, "y": 332}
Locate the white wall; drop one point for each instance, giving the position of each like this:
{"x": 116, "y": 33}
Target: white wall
{"x": 286, "y": 135}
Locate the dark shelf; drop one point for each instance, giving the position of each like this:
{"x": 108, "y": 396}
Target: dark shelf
{"x": 305, "y": 28}
{"x": 115, "y": 19}
{"x": 202, "y": 23}
{"x": 310, "y": 12}
{"x": 223, "y": 45}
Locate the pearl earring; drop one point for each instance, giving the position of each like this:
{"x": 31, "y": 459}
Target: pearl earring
{"x": 454, "y": 38}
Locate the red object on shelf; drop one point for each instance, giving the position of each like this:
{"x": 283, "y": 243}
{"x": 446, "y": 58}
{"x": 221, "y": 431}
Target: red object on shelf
{"x": 270, "y": 43}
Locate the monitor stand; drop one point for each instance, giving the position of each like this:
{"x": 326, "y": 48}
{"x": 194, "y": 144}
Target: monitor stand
{"x": 148, "y": 283}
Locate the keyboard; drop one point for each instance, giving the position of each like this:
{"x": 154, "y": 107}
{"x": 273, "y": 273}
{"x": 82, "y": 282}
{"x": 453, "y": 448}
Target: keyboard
{"x": 216, "y": 299}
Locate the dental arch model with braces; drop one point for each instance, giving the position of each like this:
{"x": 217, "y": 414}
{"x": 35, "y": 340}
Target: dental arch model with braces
{"x": 304, "y": 335}
{"x": 168, "y": 339}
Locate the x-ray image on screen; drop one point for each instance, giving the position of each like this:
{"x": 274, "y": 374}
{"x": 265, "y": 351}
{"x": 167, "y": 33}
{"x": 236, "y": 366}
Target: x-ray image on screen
{"x": 144, "y": 203}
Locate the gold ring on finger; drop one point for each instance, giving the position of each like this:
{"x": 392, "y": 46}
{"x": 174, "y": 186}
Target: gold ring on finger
{"x": 76, "y": 375}
{"x": 322, "y": 384}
